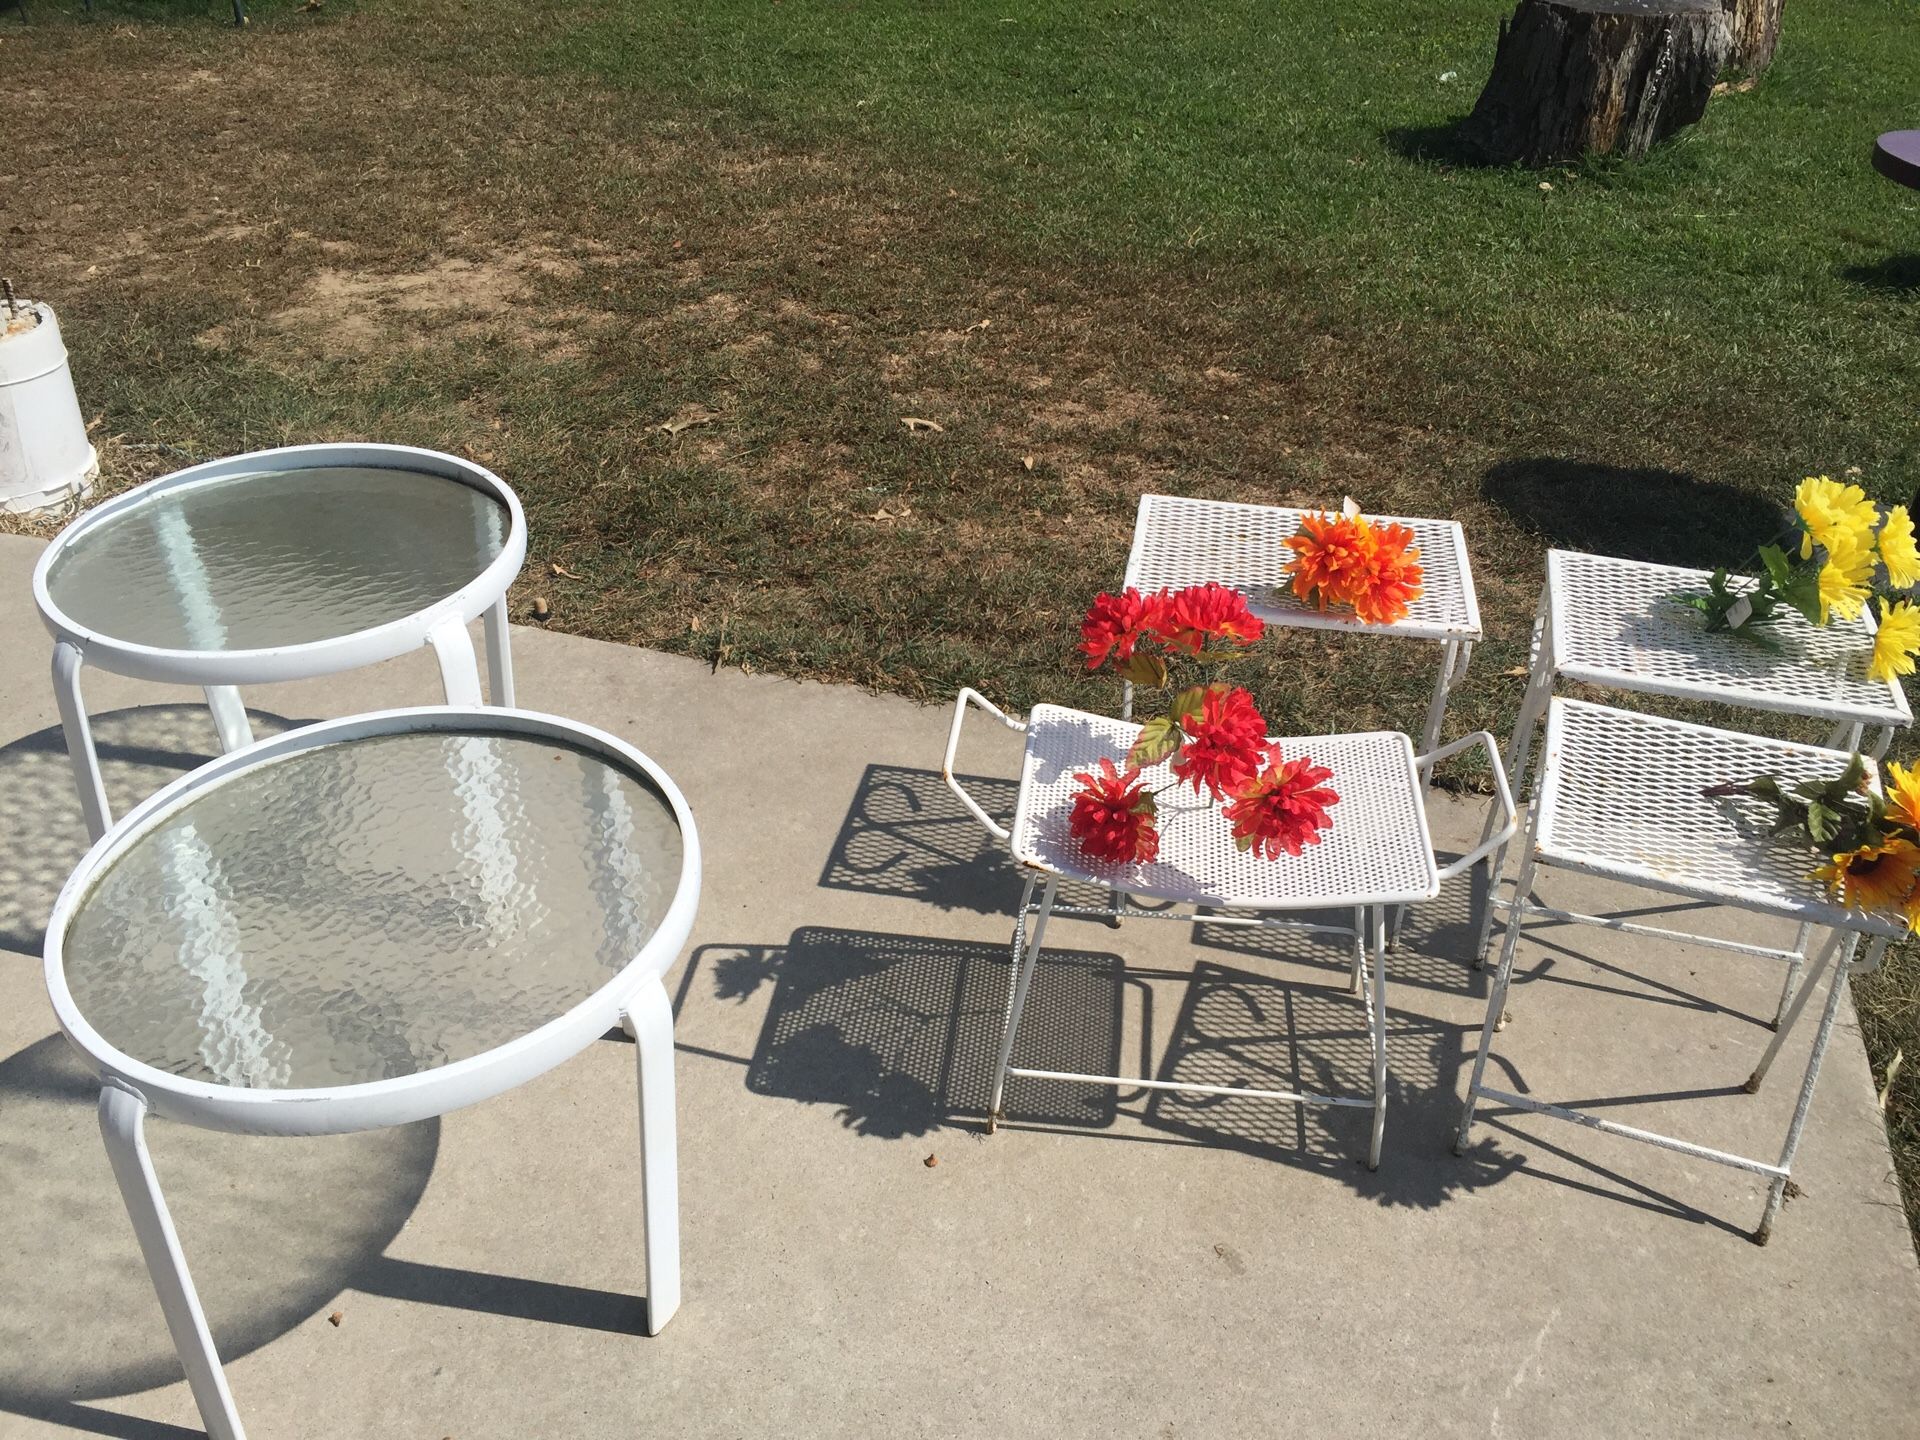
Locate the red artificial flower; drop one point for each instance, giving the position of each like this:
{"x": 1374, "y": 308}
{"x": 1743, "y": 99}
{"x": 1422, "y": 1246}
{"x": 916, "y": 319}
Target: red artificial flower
{"x": 1391, "y": 577}
{"x": 1225, "y": 743}
{"x": 1113, "y": 816}
{"x": 1202, "y": 613}
{"x": 1117, "y": 623}
{"x": 1284, "y": 809}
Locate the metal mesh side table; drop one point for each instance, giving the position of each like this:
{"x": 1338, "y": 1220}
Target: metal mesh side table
{"x": 1179, "y": 542}
{"x": 1605, "y": 621}
{"x": 1377, "y": 856}
{"x": 280, "y": 565}
{"x": 368, "y": 922}
{"x": 1620, "y": 797}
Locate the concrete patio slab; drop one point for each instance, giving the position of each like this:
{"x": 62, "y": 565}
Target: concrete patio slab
{"x": 1107, "y": 1265}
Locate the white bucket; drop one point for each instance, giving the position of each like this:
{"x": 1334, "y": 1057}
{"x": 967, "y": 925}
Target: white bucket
{"x": 45, "y": 458}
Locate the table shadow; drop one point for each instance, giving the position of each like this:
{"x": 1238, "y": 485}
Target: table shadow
{"x": 1893, "y": 274}
{"x": 42, "y": 834}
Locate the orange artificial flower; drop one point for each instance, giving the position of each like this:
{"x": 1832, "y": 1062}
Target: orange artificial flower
{"x": 1348, "y": 560}
{"x": 1391, "y": 578}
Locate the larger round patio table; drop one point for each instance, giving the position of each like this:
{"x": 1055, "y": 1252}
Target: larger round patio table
{"x": 282, "y": 564}
{"x": 367, "y": 922}
{"x": 1896, "y": 155}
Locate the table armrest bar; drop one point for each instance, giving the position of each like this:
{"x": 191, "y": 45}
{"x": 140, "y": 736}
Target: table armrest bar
{"x": 1503, "y": 798}
{"x": 968, "y": 696}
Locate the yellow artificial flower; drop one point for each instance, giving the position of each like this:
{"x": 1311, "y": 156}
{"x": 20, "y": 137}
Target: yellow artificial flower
{"x": 1903, "y": 794}
{"x": 1898, "y": 551}
{"x": 1834, "y": 513}
{"x": 1874, "y": 877}
{"x": 1845, "y": 578}
{"x": 1895, "y": 642}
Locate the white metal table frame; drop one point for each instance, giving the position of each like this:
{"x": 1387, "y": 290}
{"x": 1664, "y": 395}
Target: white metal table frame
{"x": 635, "y": 999}
{"x": 443, "y": 625}
{"x": 1178, "y": 541}
{"x": 1573, "y": 577}
{"x": 1368, "y": 930}
{"x": 1541, "y": 846}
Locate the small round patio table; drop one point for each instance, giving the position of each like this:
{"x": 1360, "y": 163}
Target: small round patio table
{"x": 280, "y": 565}
{"x": 1896, "y": 155}
{"x": 367, "y": 922}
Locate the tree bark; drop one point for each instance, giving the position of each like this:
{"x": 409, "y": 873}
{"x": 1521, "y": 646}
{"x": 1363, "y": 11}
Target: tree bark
{"x": 1596, "y": 77}
{"x": 1755, "y": 25}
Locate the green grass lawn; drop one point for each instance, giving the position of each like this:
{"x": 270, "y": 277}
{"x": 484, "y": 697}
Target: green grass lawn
{"x": 1222, "y": 250}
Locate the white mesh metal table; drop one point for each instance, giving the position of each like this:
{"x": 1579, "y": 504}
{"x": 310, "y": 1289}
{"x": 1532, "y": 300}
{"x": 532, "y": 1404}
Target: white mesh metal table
{"x": 1620, "y": 797}
{"x": 280, "y": 565}
{"x": 1610, "y": 622}
{"x": 1377, "y": 855}
{"x": 367, "y": 922}
{"x": 1179, "y": 541}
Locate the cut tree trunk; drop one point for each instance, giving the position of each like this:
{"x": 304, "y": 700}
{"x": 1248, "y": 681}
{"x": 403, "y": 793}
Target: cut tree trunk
{"x": 1756, "y": 31}
{"x": 1596, "y": 77}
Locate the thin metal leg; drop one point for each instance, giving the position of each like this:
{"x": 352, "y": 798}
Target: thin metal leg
{"x": 1497, "y": 997}
{"x": 1018, "y": 1001}
{"x": 1116, "y": 898}
{"x": 1359, "y": 948}
{"x": 1885, "y": 739}
{"x": 1801, "y": 996}
{"x": 459, "y": 671}
{"x": 1519, "y": 751}
{"x": 1777, "y": 1191}
{"x": 1802, "y": 947}
{"x": 1377, "y": 1015}
{"x": 230, "y": 721}
{"x": 1437, "y": 707}
{"x": 122, "y": 1126}
{"x": 649, "y": 1019}
{"x": 499, "y": 654}
{"x": 80, "y": 752}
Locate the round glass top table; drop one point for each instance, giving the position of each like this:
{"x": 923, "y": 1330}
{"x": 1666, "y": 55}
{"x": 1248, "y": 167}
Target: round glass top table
{"x": 280, "y": 565}
{"x": 371, "y": 921}
{"x": 1896, "y": 155}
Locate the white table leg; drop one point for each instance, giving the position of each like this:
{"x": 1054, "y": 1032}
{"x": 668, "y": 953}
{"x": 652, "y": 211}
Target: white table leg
{"x": 649, "y": 1019}
{"x": 80, "y": 752}
{"x": 1792, "y": 1015}
{"x": 1519, "y": 752}
{"x": 1802, "y": 947}
{"x": 459, "y": 671}
{"x": 1497, "y": 998}
{"x": 1354, "y": 983}
{"x": 1377, "y": 1016}
{"x": 499, "y": 654}
{"x": 1777, "y": 1191}
{"x": 1017, "y": 1002}
{"x": 1437, "y": 707}
{"x": 122, "y": 1124}
{"x": 229, "y": 717}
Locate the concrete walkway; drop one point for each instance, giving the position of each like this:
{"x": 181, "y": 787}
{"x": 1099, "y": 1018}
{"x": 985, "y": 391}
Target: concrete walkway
{"x": 1137, "y": 1265}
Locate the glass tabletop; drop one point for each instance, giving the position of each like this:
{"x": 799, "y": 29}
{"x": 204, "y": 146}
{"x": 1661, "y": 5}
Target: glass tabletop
{"x": 278, "y": 557}
{"x": 372, "y": 908}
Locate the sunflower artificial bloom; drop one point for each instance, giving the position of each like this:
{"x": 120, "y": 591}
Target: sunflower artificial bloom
{"x": 1845, "y": 579}
{"x": 1903, "y": 795}
{"x": 1875, "y": 877}
{"x": 1898, "y": 552}
{"x": 1896, "y": 641}
{"x": 1392, "y": 577}
{"x": 1834, "y": 514}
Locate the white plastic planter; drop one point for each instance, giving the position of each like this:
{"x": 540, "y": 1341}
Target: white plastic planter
{"x": 45, "y": 458}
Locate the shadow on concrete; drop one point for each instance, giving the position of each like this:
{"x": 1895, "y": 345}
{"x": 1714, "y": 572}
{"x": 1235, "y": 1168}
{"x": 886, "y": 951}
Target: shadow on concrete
{"x": 273, "y": 1229}
{"x": 901, "y": 1032}
{"x": 42, "y": 836}
{"x": 906, "y": 835}
{"x": 1637, "y": 513}
{"x": 1894, "y": 274}
{"x": 508, "y": 1296}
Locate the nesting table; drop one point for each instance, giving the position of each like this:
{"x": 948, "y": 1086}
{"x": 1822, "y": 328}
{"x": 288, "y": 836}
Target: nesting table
{"x": 1377, "y": 856}
{"x": 280, "y": 565}
{"x": 367, "y": 922}
{"x": 1179, "y": 541}
{"x": 1620, "y": 797}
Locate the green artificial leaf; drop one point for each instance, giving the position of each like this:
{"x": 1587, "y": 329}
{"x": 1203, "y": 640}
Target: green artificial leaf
{"x": 1855, "y": 775}
{"x": 1191, "y": 701}
{"x": 1145, "y": 669}
{"x": 1765, "y": 787}
{"x": 1823, "y": 822}
{"x": 1146, "y": 805}
{"x": 1243, "y": 842}
{"x": 1803, "y": 594}
{"x": 1159, "y": 738}
{"x": 1779, "y": 568}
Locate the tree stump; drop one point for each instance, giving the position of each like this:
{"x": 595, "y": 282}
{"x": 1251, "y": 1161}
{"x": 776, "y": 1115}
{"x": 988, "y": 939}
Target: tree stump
{"x": 1756, "y": 32}
{"x": 1596, "y": 77}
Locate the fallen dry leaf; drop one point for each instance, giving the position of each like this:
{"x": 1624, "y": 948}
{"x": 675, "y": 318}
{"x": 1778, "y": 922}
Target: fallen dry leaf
{"x": 1027, "y": 460}
{"x": 336, "y": 1317}
{"x": 558, "y": 569}
{"x": 914, "y": 422}
{"x": 1516, "y": 672}
{"x": 931, "y": 1161}
{"x": 674, "y": 427}
{"x": 977, "y": 325}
